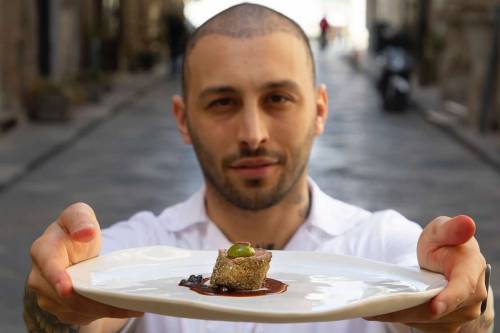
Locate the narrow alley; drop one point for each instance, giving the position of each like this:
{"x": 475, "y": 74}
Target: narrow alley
{"x": 135, "y": 161}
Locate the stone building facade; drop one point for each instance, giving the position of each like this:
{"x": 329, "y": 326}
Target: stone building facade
{"x": 18, "y": 54}
{"x": 59, "y": 40}
{"x": 465, "y": 64}
{"x": 143, "y": 29}
{"x": 390, "y": 11}
{"x": 454, "y": 42}
{"x": 64, "y": 34}
{"x": 37, "y": 38}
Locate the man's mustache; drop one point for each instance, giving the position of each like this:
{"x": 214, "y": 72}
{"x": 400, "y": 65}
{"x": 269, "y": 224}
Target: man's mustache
{"x": 246, "y": 152}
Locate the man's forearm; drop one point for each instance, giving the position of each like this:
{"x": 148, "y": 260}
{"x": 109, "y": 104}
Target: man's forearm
{"x": 40, "y": 321}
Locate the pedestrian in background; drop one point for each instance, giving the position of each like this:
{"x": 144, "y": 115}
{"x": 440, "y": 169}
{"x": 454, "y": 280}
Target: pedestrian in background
{"x": 324, "y": 27}
{"x": 177, "y": 34}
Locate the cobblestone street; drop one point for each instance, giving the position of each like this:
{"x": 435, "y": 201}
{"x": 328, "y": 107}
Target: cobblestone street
{"x": 135, "y": 160}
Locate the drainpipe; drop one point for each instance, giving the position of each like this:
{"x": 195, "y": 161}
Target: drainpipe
{"x": 1, "y": 89}
{"x": 1, "y": 63}
{"x": 54, "y": 17}
{"x": 422, "y": 29}
{"x": 491, "y": 76}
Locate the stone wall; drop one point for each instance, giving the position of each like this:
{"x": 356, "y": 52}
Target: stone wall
{"x": 73, "y": 30}
{"x": 390, "y": 11}
{"x": 465, "y": 58}
{"x": 88, "y": 31}
{"x": 142, "y": 27}
{"x": 65, "y": 40}
{"x": 454, "y": 51}
{"x": 18, "y": 59}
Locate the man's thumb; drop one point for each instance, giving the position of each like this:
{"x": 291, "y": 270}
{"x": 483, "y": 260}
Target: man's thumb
{"x": 445, "y": 231}
{"x": 79, "y": 222}
{"x": 439, "y": 234}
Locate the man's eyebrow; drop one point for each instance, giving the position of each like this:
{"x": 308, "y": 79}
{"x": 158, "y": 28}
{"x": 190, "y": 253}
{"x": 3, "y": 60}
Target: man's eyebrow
{"x": 289, "y": 84}
{"x": 217, "y": 90}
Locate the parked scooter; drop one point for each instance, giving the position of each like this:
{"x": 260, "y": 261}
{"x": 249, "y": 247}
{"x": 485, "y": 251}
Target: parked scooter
{"x": 394, "y": 81}
{"x": 395, "y": 67}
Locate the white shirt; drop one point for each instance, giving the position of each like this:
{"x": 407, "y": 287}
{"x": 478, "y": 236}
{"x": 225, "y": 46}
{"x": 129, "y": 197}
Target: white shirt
{"x": 332, "y": 226}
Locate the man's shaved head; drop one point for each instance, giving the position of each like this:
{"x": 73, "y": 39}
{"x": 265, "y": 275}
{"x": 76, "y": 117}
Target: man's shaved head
{"x": 245, "y": 21}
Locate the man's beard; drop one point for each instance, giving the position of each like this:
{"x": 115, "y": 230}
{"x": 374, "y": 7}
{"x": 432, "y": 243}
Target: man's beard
{"x": 251, "y": 197}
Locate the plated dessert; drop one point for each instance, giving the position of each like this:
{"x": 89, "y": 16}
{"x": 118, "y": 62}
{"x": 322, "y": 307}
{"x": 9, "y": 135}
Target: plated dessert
{"x": 239, "y": 271}
{"x": 322, "y": 286}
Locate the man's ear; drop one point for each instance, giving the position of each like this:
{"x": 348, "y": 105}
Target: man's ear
{"x": 179, "y": 111}
{"x": 321, "y": 109}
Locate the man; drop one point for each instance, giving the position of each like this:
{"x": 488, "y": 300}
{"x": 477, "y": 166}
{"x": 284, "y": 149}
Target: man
{"x": 251, "y": 110}
{"x": 324, "y": 27}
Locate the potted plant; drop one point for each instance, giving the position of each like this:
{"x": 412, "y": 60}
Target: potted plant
{"x": 46, "y": 102}
{"x": 95, "y": 83}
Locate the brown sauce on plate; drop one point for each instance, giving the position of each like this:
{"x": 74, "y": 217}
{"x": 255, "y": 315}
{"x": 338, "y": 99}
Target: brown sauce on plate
{"x": 270, "y": 286}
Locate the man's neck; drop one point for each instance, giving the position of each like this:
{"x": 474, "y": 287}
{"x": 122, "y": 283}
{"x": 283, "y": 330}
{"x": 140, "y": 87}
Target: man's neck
{"x": 269, "y": 228}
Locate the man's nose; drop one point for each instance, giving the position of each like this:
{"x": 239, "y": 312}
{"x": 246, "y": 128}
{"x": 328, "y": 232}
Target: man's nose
{"x": 253, "y": 129}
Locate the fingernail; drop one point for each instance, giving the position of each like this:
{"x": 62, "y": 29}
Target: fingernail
{"x": 82, "y": 226}
{"x": 60, "y": 289}
{"x": 83, "y": 232}
{"x": 440, "y": 308}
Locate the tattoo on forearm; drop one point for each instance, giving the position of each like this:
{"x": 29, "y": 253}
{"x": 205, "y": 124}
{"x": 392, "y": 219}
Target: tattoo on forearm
{"x": 40, "y": 321}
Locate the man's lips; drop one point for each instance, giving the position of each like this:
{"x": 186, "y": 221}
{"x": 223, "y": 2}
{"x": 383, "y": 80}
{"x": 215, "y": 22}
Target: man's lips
{"x": 253, "y": 163}
{"x": 253, "y": 168}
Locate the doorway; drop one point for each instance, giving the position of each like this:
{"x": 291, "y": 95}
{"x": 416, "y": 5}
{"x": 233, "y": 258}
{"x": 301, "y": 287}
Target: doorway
{"x": 44, "y": 48}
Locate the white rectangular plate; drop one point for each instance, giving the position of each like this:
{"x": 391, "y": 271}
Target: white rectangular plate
{"x": 321, "y": 286}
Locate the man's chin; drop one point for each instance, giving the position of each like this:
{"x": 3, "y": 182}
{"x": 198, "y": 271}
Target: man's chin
{"x": 254, "y": 183}
{"x": 256, "y": 201}
{"x": 243, "y": 184}
{"x": 254, "y": 193}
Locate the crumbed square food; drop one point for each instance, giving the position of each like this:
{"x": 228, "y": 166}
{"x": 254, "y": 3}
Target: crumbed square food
{"x": 243, "y": 269}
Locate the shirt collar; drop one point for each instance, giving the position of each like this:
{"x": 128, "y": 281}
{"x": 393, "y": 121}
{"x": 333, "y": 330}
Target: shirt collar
{"x": 187, "y": 213}
{"x": 331, "y": 216}
{"x": 326, "y": 213}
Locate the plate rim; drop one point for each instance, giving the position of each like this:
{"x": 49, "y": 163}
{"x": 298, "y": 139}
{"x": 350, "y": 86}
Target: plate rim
{"x": 275, "y": 316}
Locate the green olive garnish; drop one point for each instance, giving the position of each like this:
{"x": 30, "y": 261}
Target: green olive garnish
{"x": 240, "y": 249}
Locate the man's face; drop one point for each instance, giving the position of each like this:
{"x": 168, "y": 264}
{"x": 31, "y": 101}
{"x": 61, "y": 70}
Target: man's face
{"x": 251, "y": 113}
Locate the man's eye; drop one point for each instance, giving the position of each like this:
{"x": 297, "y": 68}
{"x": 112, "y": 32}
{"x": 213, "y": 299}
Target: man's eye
{"x": 278, "y": 99}
{"x": 221, "y": 102}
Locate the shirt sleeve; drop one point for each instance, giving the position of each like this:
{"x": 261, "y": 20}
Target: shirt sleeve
{"x": 389, "y": 237}
{"x": 142, "y": 229}
{"x": 399, "y": 238}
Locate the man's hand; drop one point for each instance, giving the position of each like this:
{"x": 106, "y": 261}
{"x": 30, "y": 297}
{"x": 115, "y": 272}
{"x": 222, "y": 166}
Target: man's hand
{"x": 74, "y": 237}
{"x": 447, "y": 246}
